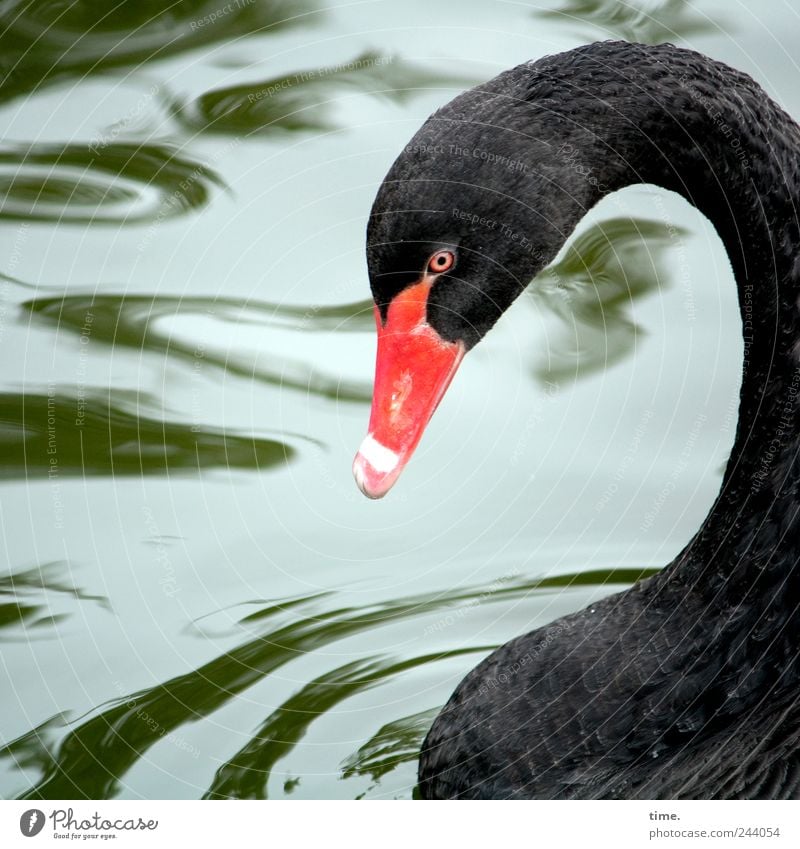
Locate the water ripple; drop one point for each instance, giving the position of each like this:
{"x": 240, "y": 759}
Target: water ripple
{"x": 122, "y": 731}
{"x": 603, "y": 272}
{"x": 48, "y": 41}
{"x": 132, "y": 321}
{"x": 63, "y": 434}
{"x": 116, "y": 183}
{"x": 651, "y": 23}
{"x": 302, "y": 101}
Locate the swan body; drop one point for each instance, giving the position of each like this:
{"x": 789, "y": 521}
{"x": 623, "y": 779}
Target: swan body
{"x": 688, "y": 684}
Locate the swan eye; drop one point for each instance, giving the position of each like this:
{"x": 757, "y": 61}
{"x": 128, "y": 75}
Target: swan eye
{"x": 441, "y": 261}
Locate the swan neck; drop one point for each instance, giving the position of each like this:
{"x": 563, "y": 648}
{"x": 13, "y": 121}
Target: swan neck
{"x": 733, "y": 153}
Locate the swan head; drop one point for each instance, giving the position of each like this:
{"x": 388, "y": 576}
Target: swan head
{"x": 468, "y": 214}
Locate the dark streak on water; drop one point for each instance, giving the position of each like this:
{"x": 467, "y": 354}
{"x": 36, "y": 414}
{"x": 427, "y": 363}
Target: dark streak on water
{"x": 122, "y": 732}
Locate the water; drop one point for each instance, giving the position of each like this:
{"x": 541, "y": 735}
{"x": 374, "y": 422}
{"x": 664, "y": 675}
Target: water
{"x": 195, "y": 600}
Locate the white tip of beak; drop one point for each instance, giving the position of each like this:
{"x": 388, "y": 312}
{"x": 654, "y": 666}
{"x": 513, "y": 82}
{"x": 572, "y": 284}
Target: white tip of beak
{"x": 375, "y": 468}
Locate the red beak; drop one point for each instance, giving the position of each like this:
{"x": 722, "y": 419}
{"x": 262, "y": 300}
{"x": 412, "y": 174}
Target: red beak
{"x": 413, "y": 369}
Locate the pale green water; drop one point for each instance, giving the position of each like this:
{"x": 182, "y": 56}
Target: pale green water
{"x": 195, "y": 598}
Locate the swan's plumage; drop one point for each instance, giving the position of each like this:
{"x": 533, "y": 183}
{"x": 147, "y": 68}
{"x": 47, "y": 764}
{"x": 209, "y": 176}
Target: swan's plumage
{"x": 687, "y": 685}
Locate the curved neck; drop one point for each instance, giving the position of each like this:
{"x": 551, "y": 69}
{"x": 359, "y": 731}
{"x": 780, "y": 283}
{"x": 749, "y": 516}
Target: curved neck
{"x": 699, "y": 663}
{"x": 713, "y": 136}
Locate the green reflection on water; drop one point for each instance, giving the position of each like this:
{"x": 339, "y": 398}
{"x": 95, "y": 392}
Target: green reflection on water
{"x": 395, "y": 743}
{"x": 604, "y": 270}
{"x": 25, "y": 598}
{"x": 109, "y": 183}
{"x": 301, "y": 101}
{"x": 62, "y": 434}
{"x": 130, "y": 321}
{"x": 96, "y": 753}
{"x": 246, "y": 774}
{"x": 36, "y": 749}
{"x": 645, "y": 23}
{"x": 45, "y": 41}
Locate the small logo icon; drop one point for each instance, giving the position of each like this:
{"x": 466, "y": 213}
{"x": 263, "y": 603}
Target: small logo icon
{"x": 31, "y": 822}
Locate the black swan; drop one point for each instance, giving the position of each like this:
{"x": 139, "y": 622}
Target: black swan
{"x": 687, "y": 685}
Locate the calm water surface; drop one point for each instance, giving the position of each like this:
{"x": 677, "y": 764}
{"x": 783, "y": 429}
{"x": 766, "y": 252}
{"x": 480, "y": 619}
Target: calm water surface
{"x": 195, "y": 600}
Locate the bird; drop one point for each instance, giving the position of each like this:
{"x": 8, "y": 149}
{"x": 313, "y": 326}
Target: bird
{"x": 687, "y": 684}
